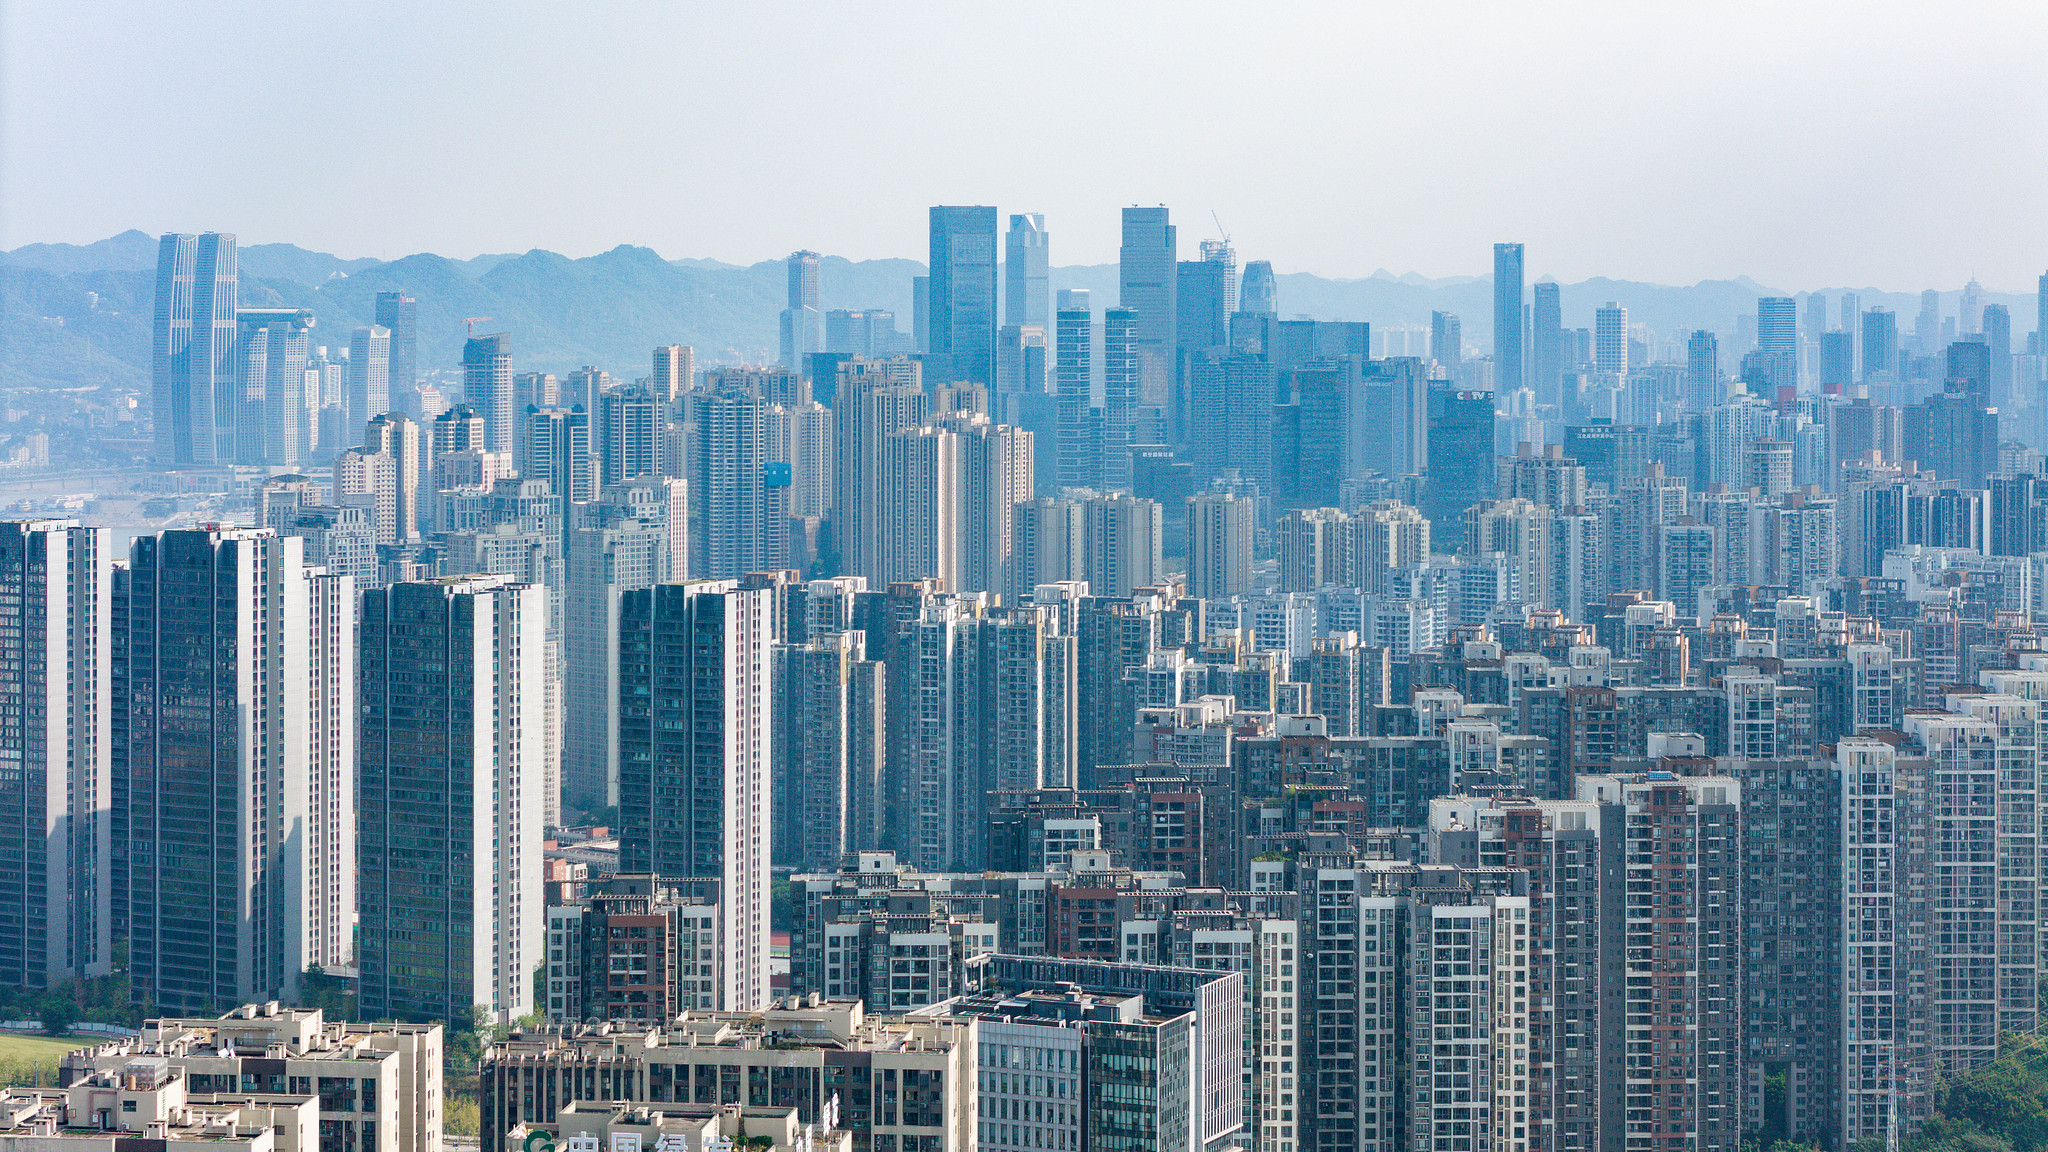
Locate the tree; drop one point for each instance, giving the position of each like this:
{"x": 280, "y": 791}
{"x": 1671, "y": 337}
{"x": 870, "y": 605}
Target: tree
{"x": 59, "y": 1013}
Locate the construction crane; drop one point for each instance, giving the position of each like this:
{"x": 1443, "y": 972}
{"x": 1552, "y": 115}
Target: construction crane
{"x": 469, "y": 324}
{"x": 1220, "y": 230}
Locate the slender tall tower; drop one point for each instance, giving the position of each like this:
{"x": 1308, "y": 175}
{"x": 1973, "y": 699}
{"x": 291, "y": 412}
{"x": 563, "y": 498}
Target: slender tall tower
{"x": 803, "y": 325}
{"x": 56, "y": 800}
{"x": 1027, "y": 278}
{"x": 399, "y": 315}
{"x": 1077, "y": 465}
{"x": 1123, "y": 375}
{"x": 961, "y": 312}
{"x": 449, "y": 855}
{"x": 1507, "y": 317}
{"x": 369, "y": 380}
{"x": 1546, "y": 338}
{"x": 695, "y": 745}
{"x": 487, "y": 386}
{"x": 1146, "y": 285}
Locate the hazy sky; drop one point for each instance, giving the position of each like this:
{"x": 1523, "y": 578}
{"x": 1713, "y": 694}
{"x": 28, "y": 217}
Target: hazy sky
{"x": 1806, "y": 144}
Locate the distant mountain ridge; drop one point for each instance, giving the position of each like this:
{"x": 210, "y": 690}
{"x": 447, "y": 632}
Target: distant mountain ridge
{"x": 79, "y": 314}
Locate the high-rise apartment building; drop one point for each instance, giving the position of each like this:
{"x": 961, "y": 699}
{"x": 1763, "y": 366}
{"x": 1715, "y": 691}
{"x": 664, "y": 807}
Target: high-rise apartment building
{"x": 383, "y": 477}
{"x": 57, "y": 798}
{"x": 633, "y": 426}
{"x": 1146, "y": 285}
{"x": 875, "y": 399}
{"x": 1027, "y": 279}
{"x": 487, "y": 387}
{"x": 1122, "y": 545}
{"x": 696, "y": 744}
{"x": 619, "y": 543}
{"x": 1610, "y": 339}
{"x": 829, "y": 736}
{"x": 195, "y": 385}
{"x": 451, "y": 689}
{"x": 674, "y": 371}
{"x": 1219, "y": 544}
{"x": 1507, "y": 316}
{"x": 1546, "y": 344}
{"x": 962, "y": 292}
{"x": 216, "y": 762}
{"x": 739, "y": 488}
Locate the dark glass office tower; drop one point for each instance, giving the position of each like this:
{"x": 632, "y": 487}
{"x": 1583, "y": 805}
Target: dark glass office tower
{"x": 449, "y": 786}
{"x": 1146, "y": 284}
{"x": 1027, "y": 277}
{"x": 401, "y": 315}
{"x": 695, "y": 745}
{"x": 1461, "y": 460}
{"x": 1546, "y": 338}
{"x": 961, "y": 313}
{"x": 1507, "y": 316}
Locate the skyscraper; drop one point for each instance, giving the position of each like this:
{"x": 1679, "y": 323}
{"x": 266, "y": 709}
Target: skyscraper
{"x": 1777, "y": 343}
{"x": 1220, "y": 252}
{"x": 1077, "y": 464}
{"x": 1027, "y": 279}
{"x": 1259, "y": 296}
{"x": 1507, "y": 317}
{"x": 557, "y": 450}
{"x": 612, "y": 552}
{"x": 961, "y": 313}
{"x": 674, "y": 371}
{"x": 1996, "y": 327}
{"x": 1219, "y": 544}
{"x": 1446, "y": 343}
{"x": 1146, "y": 284}
{"x": 195, "y": 391}
{"x": 399, "y": 314}
{"x": 487, "y": 387}
{"x": 1880, "y": 345}
{"x": 803, "y": 323}
{"x": 1123, "y": 369}
{"x": 57, "y": 797}
{"x": 632, "y": 427}
{"x": 741, "y": 489}
{"x": 875, "y": 399}
{"x": 1546, "y": 344}
{"x": 449, "y": 852}
{"x": 695, "y": 744}
{"x": 214, "y": 752}
{"x": 1610, "y": 340}
{"x": 383, "y": 476}
{"x": 275, "y": 427}
{"x": 369, "y": 380}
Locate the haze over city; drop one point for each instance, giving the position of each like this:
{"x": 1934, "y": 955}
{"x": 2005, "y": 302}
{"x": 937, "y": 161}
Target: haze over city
{"x": 1806, "y": 146}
